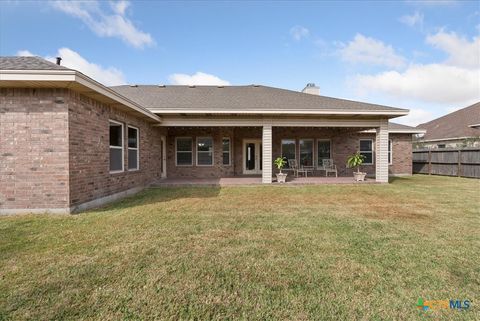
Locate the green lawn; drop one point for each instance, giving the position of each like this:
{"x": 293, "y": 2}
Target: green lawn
{"x": 331, "y": 252}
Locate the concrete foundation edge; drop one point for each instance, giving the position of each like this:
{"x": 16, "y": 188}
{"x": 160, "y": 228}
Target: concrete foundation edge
{"x": 77, "y": 208}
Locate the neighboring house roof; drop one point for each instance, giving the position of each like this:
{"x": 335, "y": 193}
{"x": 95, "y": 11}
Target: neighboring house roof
{"x": 454, "y": 125}
{"x": 244, "y": 99}
{"x": 36, "y": 72}
{"x": 28, "y": 63}
{"x": 399, "y": 128}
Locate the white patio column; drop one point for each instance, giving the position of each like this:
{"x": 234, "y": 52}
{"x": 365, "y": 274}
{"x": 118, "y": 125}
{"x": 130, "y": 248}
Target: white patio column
{"x": 381, "y": 153}
{"x": 267, "y": 154}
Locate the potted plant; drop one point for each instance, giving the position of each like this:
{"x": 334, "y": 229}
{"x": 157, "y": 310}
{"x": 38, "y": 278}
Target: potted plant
{"x": 356, "y": 160}
{"x": 280, "y": 162}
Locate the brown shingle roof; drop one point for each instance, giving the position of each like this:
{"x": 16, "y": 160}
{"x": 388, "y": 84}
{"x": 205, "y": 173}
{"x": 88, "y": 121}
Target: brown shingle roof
{"x": 248, "y": 99}
{"x": 245, "y": 98}
{"x": 394, "y": 127}
{"x": 28, "y": 63}
{"x": 454, "y": 125}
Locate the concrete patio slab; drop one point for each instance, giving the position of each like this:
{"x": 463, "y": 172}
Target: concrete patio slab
{"x": 254, "y": 180}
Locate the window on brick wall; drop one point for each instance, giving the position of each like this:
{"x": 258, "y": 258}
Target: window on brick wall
{"x": 226, "y": 151}
{"x": 323, "y": 151}
{"x": 116, "y": 146}
{"x": 133, "y": 149}
{"x": 184, "y": 151}
{"x": 204, "y": 151}
{"x": 366, "y": 149}
{"x": 288, "y": 150}
{"x": 306, "y": 152}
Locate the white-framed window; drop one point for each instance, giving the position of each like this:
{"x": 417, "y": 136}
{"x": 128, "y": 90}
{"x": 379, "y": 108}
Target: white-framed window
{"x": 183, "y": 151}
{"x": 324, "y": 151}
{"x": 226, "y": 151}
{"x": 366, "y": 149}
{"x": 116, "y": 146}
{"x": 306, "y": 152}
{"x": 288, "y": 150}
{"x": 133, "y": 148}
{"x": 390, "y": 152}
{"x": 204, "y": 151}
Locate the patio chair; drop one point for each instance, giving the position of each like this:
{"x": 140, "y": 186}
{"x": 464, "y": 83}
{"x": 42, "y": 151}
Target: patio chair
{"x": 329, "y": 167}
{"x": 292, "y": 163}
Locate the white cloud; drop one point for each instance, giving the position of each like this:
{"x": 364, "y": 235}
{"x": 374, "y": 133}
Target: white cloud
{"x": 120, "y": 6}
{"x": 299, "y": 32}
{"x": 371, "y": 51}
{"x": 455, "y": 81}
{"x": 114, "y": 24}
{"x": 71, "y": 59}
{"x": 413, "y": 20}
{"x": 109, "y": 76}
{"x": 25, "y": 53}
{"x": 431, "y": 83}
{"x": 199, "y": 78}
{"x": 461, "y": 51}
{"x": 415, "y": 117}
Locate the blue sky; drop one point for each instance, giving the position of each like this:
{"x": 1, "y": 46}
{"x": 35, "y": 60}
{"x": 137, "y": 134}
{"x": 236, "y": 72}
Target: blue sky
{"x": 421, "y": 55}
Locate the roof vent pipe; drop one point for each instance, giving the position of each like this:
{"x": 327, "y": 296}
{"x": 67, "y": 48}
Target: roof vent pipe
{"x": 311, "y": 89}
{"x": 59, "y": 59}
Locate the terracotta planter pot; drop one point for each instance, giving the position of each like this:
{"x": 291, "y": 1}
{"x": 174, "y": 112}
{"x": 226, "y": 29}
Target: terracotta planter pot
{"x": 281, "y": 177}
{"x": 359, "y": 176}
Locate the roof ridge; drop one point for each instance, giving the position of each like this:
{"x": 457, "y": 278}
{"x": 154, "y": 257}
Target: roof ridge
{"x": 330, "y": 97}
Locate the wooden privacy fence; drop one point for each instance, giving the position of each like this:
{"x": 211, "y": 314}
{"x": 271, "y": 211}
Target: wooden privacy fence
{"x": 448, "y": 162}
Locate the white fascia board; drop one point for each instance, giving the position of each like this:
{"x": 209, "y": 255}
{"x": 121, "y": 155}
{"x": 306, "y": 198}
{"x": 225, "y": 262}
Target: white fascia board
{"x": 399, "y": 131}
{"x": 73, "y": 76}
{"x": 101, "y": 89}
{"x": 259, "y": 122}
{"x": 253, "y": 111}
{"x": 37, "y": 75}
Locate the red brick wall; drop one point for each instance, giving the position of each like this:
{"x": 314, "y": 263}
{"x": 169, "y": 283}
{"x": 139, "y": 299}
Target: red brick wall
{"x": 89, "y": 151}
{"x": 54, "y": 150}
{"x": 402, "y": 154}
{"x": 33, "y": 149}
{"x": 344, "y": 142}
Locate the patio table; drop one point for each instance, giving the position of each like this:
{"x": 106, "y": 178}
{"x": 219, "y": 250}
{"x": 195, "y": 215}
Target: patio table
{"x": 307, "y": 169}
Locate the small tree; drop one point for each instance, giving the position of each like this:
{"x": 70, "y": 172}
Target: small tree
{"x": 355, "y": 160}
{"x": 280, "y": 162}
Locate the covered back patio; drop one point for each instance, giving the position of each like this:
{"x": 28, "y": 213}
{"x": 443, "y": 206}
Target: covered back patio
{"x": 232, "y": 151}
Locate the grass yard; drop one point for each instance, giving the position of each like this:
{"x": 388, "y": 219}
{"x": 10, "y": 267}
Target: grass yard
{"x": 329, "y": 252}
